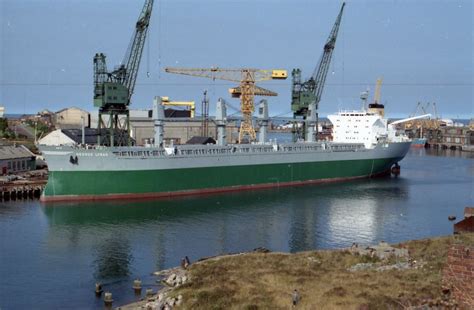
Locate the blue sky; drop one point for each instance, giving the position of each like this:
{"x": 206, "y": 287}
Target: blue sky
{"x": 423, "y": 49}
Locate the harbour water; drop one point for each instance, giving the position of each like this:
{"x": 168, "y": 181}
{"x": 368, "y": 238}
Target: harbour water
{"x": 52, "y": 255}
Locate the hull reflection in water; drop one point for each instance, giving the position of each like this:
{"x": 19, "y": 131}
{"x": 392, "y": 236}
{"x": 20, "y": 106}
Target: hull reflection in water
{"x": 292, "y": 219}
{"x": 113, "y": 258}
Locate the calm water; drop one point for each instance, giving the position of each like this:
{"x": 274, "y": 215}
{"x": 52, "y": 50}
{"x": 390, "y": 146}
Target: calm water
{"x": 52, "y": 255}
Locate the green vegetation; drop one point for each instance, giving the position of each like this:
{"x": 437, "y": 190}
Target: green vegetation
{"x": 266, "y": 280}
{"x": 3, "y": 124}
{"x": 41, "y": 128}
{"x": 6, "y": 132}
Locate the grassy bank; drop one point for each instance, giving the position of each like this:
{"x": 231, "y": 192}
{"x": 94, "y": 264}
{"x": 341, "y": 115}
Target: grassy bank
{"x": 266, "y": 280}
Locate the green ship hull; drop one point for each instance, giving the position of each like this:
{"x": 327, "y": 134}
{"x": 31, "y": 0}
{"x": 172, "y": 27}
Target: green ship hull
{"x": 87, "y": 185}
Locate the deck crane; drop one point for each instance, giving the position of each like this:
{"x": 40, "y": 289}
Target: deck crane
{"x": 113, "y": 90}
{"x": 378, "y": 87}
{"x": 304, "y": 94}
{"x": 376, "y": 107}
{"x": 246, "y": 90}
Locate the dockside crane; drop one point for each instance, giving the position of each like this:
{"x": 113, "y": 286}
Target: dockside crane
{"x": 246, "y": 90}
{"x": 304, "y": 94}
{"x": 113, "y": 90}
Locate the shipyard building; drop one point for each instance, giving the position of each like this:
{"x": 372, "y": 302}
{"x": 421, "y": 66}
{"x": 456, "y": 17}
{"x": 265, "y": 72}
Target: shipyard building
{"x": 179, "y": 128}
{"x": 15, "y": 159}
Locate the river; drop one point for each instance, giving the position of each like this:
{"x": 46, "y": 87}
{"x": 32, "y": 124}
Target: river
{"x": 52, "y": 255}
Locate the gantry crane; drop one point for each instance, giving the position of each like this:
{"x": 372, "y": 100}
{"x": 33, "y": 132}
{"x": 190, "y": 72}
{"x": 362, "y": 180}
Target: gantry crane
{"x": 190, "y": 104}
{"x": 304, "y": 94}
{"x": 246, "y": 91}
{"x": 113, "y": 90}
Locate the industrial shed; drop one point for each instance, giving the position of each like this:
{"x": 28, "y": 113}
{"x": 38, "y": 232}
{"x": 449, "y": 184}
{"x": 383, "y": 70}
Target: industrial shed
{"x": 15, "y": 159}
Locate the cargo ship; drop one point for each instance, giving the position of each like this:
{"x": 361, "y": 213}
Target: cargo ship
{"x": 364, "y": 145}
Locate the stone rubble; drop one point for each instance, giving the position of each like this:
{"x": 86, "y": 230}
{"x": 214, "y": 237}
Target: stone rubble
{"x": 382, "y": 251}
{"x": 314, "y": 260}
{"x": 164, "y": 303}
{"x": 175, "y": 280}
{"x": 170, "y": 278}
{"x": 361, "y": 266}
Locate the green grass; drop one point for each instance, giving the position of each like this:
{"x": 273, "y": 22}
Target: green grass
{"x": 266, "y": 280}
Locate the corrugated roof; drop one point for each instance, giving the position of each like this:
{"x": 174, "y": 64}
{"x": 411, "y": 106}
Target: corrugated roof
{"x": 90, "y": 134}
{"x": 11, "y": 152}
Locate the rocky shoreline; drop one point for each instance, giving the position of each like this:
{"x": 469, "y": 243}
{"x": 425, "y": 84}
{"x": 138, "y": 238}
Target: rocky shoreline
{"x": 171, "y": 279}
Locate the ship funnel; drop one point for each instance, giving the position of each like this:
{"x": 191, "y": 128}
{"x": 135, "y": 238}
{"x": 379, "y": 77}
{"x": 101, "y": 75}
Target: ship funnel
{"x": 263, "y": 120}
{"x": 221, "y": 118}
{"x": 159, "y": 118}
{"x": 377, "y": 108}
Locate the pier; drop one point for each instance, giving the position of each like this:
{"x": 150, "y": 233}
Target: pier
{"x": 23, "y": 186}
{"x": 21, "y": 191}
{"x": 455, "y": 138}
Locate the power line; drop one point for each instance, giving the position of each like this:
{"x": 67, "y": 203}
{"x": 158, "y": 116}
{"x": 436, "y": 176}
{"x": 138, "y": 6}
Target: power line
{"x": 231, "y": 84}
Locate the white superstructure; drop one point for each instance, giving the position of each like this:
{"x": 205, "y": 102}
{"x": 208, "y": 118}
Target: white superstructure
{"x": 363, "y": 127}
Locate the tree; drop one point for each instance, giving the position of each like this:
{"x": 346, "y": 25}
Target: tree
{"x": 3, "y": 124}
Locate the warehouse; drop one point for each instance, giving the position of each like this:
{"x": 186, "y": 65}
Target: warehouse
{"x": 14, "y": 159}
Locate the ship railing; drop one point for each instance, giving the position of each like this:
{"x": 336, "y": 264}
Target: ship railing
{"x": 302, "y": 147}
{"x": 139, "y": 153}
{"x": 344, "y": 147}
{"x": 201, "y": 150}
{"x": 257, "y": 148}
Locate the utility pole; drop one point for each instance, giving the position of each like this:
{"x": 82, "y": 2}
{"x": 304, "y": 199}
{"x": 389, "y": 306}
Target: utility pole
{"x": 205, "y": 115}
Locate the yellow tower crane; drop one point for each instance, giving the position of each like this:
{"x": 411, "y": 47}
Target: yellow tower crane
{"x": 246, "y": 90}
